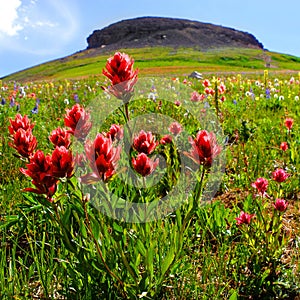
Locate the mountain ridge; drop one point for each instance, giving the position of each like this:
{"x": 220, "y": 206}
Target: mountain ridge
{"x": 169, "y": 32}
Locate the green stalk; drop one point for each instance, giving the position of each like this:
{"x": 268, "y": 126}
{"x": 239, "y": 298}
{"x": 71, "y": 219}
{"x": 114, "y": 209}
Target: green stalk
{"x": 110, "y": 272}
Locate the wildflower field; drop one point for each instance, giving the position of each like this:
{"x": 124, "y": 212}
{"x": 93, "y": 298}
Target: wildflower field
{"x": 122, "y": 186}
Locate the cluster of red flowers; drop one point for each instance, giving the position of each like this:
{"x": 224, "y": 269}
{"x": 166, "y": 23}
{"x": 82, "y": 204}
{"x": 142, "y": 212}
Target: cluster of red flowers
{"x": 261, "y": 185}
{"x": 144, "y": 143}
{"x": 288, "y": 123}
{"x": 46, "y": 170}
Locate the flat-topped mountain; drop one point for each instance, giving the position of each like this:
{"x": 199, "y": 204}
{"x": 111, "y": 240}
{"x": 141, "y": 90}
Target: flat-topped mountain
{"x": 157, "y": 31}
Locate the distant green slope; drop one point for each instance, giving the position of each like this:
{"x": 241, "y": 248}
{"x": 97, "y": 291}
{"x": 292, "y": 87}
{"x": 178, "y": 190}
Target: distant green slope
{"x": 159, "y": 60}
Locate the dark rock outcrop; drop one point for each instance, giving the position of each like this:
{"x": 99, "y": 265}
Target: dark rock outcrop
{"x": 157, "y": 31}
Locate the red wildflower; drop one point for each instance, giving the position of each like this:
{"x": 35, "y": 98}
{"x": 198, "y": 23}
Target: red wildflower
{"x": 206, "y": 83}
{"x": 175, "y": 128}
{"x": 145, "y": 142}
{"x": 103, "y": 158}
{"x": 60, "y": 137}
{"x": 209, "y": 91}
{"x": 261, "y": 184}
{"x": 280, "y": 175}
{"x": 221, "y": 88}
{"x": 289, "y": 123}
{"x": 19, "y": 122}
{"x": 177, "y": 102}
{"x": 195, "y": 96}
{"x": 280, "y": 205}
{"x": 78, "y": 120}
{"x": 144, "y": 165}
{"x": 24, "y": 142}
{"x": 115, "y": 132}
{"x": 39, "y": 169}
{"x": 166, "y": 139}
{"x": 244, "y": 218}
{"x": 119, "y": 70}
{"x": 284, "y": 146}
{"x": 204, "y": 148}
{"x": 62, "y": 162}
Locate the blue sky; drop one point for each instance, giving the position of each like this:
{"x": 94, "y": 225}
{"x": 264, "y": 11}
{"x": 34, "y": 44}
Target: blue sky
{"x": 36, "y": 31}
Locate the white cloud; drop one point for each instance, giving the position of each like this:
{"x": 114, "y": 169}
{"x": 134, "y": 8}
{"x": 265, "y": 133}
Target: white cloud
{"x": 9, "y": 17}
{"x": 37, "y": 27}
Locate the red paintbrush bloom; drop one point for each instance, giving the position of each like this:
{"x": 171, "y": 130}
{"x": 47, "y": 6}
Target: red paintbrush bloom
{"x": 115, "y": 132}
{"x": 195, "y": 97}
{"x": 103, "y": 158}
{"x": 144, "y": 165}
{"x": 19, "y": 122}
{"x": 119, "y": 70}
{"x": 24, "y": 142}
{"x": 261, "y": 184}
{"x": 175, "y": 128}
{"x": 78, "y": 120}
{"x": 280, "y": 205}
{"x": 289, "y": 123}
{"x": 244, "y": 218}
{"x": 62, "y": 162}
{"x": 206, "y": 83}
{"x": 144, "y": 142}
{"x": 284, "y": 146}
{"x": 280, "y": 175}
{"x": 204, "y": 148}
{"x": 40, "y": 170}
{"x": 60, "y": 137}
{"x": 166, "y": 139}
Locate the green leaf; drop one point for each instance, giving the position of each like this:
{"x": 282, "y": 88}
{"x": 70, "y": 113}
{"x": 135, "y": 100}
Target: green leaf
{"x": 141, "y": 248}
{"x": 167, "y": 261}
{"x": 117, "y": 227}
{"x": 234, "y": 296}
{"x": 66, "y": 217}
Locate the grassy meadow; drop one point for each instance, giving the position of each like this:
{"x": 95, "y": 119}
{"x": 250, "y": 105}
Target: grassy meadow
{"x": 67, "y": 249}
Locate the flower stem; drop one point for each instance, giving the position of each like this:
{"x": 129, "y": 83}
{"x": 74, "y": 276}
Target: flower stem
{"x": 110, "y": 272}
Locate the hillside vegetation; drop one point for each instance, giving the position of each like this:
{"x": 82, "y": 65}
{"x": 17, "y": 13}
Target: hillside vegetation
{"x": 153, "y": 61}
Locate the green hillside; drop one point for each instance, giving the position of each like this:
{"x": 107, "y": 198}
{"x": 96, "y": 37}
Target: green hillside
{"x": 159, "y": 60}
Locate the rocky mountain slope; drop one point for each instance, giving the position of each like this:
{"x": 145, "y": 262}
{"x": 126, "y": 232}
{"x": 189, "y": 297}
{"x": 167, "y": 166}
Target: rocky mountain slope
{"x": 157, "y": 31}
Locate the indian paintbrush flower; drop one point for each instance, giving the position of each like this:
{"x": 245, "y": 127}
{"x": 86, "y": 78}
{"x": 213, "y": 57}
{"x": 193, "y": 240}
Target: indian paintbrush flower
{"x": 175, "y": 128}
{"x": 62, "y": 162}
{"x": 115, "y": 132}
{"x": 261, "y": 184}
{"x": 144, "y": 142}
{"x": 284, "y": 146}
{"x": 204, "y": 148}
{"x": 280, "y": 205}
{"x": 24, "y": 142}
{"x": 122, "y": 76}
{"x": 244, "y": 218}
{"x": 19, "y": 122}
{"x": 166, "y": 139}
{"x": 40, "y": 171}
{"x": 288, "y": 123}
{"x": 144, "y": 165}
{"x": 280, "y": 175}
{"x": 102, "y": 157}
{"x": 60, "y": 137}
{"x": 78, "y": 120}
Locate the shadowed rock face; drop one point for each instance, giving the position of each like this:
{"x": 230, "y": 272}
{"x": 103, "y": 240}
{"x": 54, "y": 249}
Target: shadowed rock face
{"x": 156, "y": 31}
